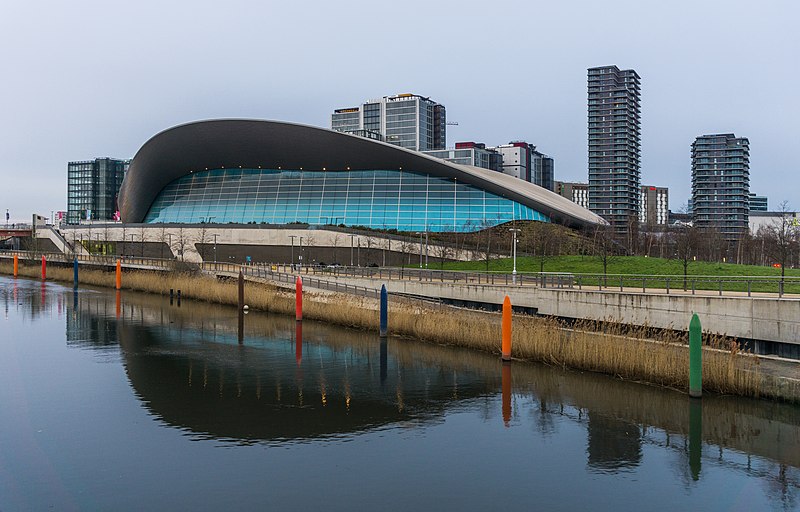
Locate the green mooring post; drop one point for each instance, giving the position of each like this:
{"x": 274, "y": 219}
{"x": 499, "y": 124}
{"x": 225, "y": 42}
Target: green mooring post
{"x": 695, "y": 358}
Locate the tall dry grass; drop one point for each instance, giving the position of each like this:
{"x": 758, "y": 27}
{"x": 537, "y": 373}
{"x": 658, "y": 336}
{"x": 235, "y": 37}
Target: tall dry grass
{"x": 638, "y": 354}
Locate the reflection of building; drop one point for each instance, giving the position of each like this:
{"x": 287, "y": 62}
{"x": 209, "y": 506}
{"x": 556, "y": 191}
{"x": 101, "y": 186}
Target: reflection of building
{"x": 576, "y": 192}
{"x": 243, "y": 171}
{"x": 92, "y": 188}
{"x": 613, "y": 444}
{"x": 655, "y": 205}
{"x": 406, "y": 120}
{"x": 721, "y": 183}
{"x": 614, "y": 145}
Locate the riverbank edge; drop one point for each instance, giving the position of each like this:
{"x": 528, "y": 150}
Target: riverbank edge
{"x": 630, "y": 356}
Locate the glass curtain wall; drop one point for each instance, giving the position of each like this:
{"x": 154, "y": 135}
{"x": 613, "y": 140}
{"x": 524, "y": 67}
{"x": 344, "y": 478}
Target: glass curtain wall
{"x": 378, "y": 199}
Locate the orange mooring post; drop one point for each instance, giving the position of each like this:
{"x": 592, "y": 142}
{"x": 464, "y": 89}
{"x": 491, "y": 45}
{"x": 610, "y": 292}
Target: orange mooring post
{"x": 16, "y": 265}
{"x": 506, "y": 348}
{"x": 44, "y": 268}
{"x": 298, "y": 299}
{"x": 506, "y": 386}
{"x": 119, "y": 275}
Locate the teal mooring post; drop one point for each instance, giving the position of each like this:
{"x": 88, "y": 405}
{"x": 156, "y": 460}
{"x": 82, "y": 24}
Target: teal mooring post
{"x": 384, "y": 312}
{"x": 695, "y": 358}
{"x": 75, "y": 273}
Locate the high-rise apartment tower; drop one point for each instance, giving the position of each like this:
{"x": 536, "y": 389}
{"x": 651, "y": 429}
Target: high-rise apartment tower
{"x": 721, "y": 184}
{"x": 614, "y": 145}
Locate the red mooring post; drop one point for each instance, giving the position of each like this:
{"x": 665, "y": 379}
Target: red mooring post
{"x": 298, "y": 299}
{"x": 44, "y": 268}
{"x": 506, "y": 328}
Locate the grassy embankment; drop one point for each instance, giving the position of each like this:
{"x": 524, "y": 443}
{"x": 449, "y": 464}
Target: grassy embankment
{"x": 632, "y": 354}
{"x": 629, "y": 266}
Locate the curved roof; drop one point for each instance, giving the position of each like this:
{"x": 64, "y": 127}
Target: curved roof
{"x": 246, "y": 143}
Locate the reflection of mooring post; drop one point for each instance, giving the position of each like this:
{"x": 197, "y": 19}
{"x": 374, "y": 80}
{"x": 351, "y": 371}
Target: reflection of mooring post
{"x": 118, "y": 307}
{"x": 171, "y": 295}
{"x": 506, "y": 385}
{"x": 241, "y": 308}
{"x": 179, "y": 298}
{"x": 75, "y": 301}
{"x": 384, "y": 310}
{"x": 119, "y": 275}
{"x": 695, "y": 358}
{"x": 695, "y": 437}
{"x": 384, "y": 359}
{"x": 298, "y": 340}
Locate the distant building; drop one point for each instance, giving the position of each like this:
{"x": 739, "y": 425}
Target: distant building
{"x": 521, "y": 160}
{"x": 766, "y": 219}
{"x": 471, "y": 153}
{"x": 655, "y": 205}
{"x": 721, "y": 184}
{"x": 576, "y": 192}
{"x": 406, "y": 120}
{"x": 758, "y": 203}
{"x": 93, "y": 187}
{"x": 614, "y": 145}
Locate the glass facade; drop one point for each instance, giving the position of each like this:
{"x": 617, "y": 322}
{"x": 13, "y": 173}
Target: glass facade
{"x": 92, "y": 188}
{"x": 379, "y": 199}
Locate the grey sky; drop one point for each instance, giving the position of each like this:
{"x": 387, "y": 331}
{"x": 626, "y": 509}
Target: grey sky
{"x": 84, "y": 79}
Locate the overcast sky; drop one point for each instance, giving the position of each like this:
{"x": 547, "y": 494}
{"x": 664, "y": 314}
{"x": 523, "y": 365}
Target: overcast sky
{"x": 83, "y": 79}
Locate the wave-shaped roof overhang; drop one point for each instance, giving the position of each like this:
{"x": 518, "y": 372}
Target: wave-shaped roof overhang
{"x": 250, "y": 144}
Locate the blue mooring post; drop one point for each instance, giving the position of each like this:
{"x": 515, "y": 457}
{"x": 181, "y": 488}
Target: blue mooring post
{"x": 384, "y": 310}
{"x": 75, "y": 273}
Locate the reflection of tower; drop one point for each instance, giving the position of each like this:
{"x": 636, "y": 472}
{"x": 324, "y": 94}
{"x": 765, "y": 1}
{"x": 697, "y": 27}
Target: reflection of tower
{"x": 613, "y": 444}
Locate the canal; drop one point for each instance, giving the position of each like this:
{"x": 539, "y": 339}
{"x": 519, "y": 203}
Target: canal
{"x": 128, "y": 402}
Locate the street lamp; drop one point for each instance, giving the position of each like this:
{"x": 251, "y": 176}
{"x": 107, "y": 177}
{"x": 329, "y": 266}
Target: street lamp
{"x": 215, "y": 248}
{"x": 514, "y": 255}
{"x": 291, "y": 260}
{"x": 352, "y": 237}
{"x": 420, "y": 247}
{"x": 300, "y": 258}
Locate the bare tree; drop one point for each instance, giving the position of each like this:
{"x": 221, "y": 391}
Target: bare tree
{"x": 781, "y": 238}
{"x": 182, "y": 241}
{"x": 162, "y": 237}
{"x": 687, "y": 241}
{"x": 202, "y": 241}
{"x": 142, "y": 238}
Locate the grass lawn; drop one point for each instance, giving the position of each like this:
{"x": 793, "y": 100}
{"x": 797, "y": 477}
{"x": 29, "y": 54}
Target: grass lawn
{"x": 638, "y": 265}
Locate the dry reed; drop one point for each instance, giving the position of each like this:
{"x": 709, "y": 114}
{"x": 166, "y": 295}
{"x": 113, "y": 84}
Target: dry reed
{"x": 631, "y": 353}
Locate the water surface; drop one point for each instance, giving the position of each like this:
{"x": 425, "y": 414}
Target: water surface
{"x": 125, "y": 402}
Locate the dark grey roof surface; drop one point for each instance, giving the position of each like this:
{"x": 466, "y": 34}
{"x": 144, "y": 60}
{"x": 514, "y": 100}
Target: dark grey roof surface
{"x": 252, "y": 144}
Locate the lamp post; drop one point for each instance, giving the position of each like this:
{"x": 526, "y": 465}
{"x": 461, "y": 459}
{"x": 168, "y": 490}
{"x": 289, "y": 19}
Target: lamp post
{"x": 170, "y": 243}
{"x": 426, "y": 249}
{"x": 420, "y": 247}
{"x": 215, "y": 248}
{"x": 300, "y": 258}
{"x": 514, "y": 232}
{"x": 352, "y": 238}
{"x": 291, "y": 260}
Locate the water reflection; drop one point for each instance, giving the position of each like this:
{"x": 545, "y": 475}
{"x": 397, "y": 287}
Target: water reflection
{"x": 291, "y": 382}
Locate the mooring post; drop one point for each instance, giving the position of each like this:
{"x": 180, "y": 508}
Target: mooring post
{"x": 506, "y": 328}
{"x": 75, "y": 273}
{"x": 44, "y": 268}
{"x": 119, "y": 274}
{"x": 241, "y": 290}
{"x": 384, "y": 310}
{"x": 695, "y": 358}
{"x": 506, "y": 386}
{"x": 179, "y": 298}
{"x": 298, "y": 298}
{"x": 16, "y": 265}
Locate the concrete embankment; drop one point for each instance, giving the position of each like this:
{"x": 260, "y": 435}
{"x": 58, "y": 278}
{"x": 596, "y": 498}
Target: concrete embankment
{"x": 626, "y": 353}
